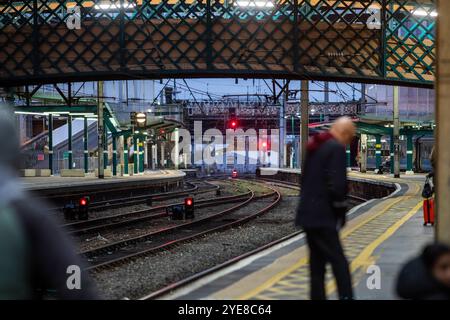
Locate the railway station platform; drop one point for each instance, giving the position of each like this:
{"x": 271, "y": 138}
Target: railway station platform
{"x": 51, "y": 186}
{"x": 382, "y": 232}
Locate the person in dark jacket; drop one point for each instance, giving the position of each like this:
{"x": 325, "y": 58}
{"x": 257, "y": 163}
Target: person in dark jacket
{"x": 426, "y": 277}
{"x": 36, "y": 259}
{"x": 323, "y": 206}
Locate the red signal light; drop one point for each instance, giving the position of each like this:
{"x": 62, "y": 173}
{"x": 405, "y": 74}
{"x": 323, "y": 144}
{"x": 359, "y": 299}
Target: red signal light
{"x": 188, "y": 201}
{"x": 264, "y": 144}
{"x": 233, "y": 124}
{"x": 83, "y": 202}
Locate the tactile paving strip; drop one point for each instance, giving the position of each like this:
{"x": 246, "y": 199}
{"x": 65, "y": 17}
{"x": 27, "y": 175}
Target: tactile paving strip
{"x": 295, "y": 284}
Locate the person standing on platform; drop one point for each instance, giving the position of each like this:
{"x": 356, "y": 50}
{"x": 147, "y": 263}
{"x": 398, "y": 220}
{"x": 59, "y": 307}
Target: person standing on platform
{"x": 323, "y": 206}
{"x": 37, "y": 260}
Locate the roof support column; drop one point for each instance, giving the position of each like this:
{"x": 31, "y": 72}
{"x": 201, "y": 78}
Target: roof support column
{"x": 409, "y": 153}
{"x": 50, "y": 143}
{"x": 378, "y": 151}
{"x": 135, "y": 154}
{"x": 391, "y": 153}
{"x": 141, "y": 155}
{"x": 282, "y": 124}
{"x": 176, "y": 157}
{"x": 85, "y": 141}
{"x": 442, "y": 175}
{"x": 363, "y": 153}
{"x": 125, "y": 156}
{"x": 304, "y": 131}
{"x": 69, "y": 144}
{"x": 396, "y": 133}
{"x": 105, "y": 150}
{"x": 100, "y": 130}
{"x": 114, "y": 155}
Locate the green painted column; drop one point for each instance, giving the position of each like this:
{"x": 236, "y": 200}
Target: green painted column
{"x": 141, "y": 155}
{"x": 294, "y": 156}
{"x": 50, "y": 143}
{"x": 125, "y": 155}
{"x": 377, "y": 151}
{"x": 409, "y": 152}
{"x": 86, "y": 150}
{"x": 69, "y": 145}
{"x": 114, "y": 156}
{"x": 135, "y": 154}
{"x": 348, "y": 154}
{"x": 391, "y": 151}
{"x": 105, "y": 151}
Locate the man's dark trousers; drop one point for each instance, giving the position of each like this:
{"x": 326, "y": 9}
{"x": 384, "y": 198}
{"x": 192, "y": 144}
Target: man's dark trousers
{"x": 325, "y": 247}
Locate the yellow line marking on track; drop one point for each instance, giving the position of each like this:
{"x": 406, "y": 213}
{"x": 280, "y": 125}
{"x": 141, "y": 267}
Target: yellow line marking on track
{"x": 277, "y": 277}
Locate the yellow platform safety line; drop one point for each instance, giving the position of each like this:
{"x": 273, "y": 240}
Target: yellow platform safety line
{"x": 277, "y": 277}
{"x": 365, "y": 258}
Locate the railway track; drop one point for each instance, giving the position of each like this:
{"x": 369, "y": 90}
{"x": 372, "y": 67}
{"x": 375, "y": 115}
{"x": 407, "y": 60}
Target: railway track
{"x": 186, "y": 281}
{"x": 168, "y": 289}
{"x": 129, "y": 201}
{"x": 138, "y": 216}
{"x": 195, "y": 187}
{"x": 119, "y": 252}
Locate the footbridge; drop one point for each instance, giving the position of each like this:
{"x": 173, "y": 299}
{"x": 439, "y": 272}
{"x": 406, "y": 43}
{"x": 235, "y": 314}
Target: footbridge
{"x": 375, "y": 41}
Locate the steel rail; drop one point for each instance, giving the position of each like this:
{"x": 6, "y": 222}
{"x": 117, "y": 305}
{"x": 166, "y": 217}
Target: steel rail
{"x": 137, "y": 216}
{"x": 167, "y": 244}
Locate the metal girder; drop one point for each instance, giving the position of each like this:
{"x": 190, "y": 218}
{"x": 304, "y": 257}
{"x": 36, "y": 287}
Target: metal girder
{"x": 61, "y": 109}
{"x": 377, "y": 41}
{"x": 374, "y": 129}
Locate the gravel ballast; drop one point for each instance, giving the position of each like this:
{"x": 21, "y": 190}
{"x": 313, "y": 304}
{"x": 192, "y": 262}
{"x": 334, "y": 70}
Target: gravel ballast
{"x": 147, "y": 274}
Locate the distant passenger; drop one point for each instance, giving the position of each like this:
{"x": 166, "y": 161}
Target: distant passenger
{"x": 36, "y": 259}
{"x": 323, "y": 206}
{"x": 426, "y": 277}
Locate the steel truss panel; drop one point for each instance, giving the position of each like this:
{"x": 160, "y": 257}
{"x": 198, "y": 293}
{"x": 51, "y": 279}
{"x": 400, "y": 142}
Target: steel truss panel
{"x": 367, "y": 40}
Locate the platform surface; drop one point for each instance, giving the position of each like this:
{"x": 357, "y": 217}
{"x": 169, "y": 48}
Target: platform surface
{"x": 36, "y": 183}
{"x": 383, "y": 233}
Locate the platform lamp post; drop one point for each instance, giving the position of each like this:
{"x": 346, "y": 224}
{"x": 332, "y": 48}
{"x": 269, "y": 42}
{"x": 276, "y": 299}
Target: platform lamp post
{"x": 442, "y": 175}
{"x": 100, "y": 129}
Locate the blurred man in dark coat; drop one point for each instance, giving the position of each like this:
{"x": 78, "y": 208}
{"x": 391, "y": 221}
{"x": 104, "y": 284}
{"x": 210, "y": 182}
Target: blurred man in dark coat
{"x": 36, "y": 259}
{"x": 323, "y": 206}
